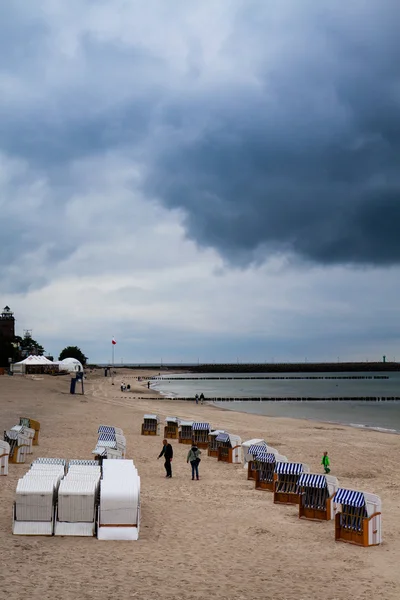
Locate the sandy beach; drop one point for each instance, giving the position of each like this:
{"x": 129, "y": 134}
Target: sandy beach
{"x": 216, "y": 538}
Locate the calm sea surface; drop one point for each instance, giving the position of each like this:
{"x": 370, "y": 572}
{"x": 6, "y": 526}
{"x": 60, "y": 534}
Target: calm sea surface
{"x": 380, "y": 415}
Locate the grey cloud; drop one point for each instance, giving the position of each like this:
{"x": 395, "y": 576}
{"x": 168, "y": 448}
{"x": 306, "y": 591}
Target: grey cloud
{"x": 294, "y": 148}
{"x": 307, "y": 161}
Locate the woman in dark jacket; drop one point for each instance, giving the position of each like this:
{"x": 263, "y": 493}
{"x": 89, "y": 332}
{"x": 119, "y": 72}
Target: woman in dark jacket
{"x": 193, "y": 458}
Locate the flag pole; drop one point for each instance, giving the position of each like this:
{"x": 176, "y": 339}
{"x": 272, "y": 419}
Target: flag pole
{"x": 112, "y": 368}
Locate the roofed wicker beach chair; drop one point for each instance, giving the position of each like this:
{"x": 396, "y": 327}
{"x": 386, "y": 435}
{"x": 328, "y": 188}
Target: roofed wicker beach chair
{"x": 265, "y": 461}
{"x": 358, "y": 518}
{"x": 286, "y": 478}
{"x": 151, "y": 425}
{"x": 250, "y": 447}
{"x": 229, "y": 448}
{"x": 200, "y": 433}
{"x": 171, "y": 428}
{"x": 212, "y": 449}
{"x": 317, "y": 493}
{"x": 185, "y": 432}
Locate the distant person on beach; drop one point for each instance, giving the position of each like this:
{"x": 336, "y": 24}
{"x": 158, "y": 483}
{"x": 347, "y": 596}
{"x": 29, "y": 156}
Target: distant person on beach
{"x": 168, "y": 454}
{"x": 201, "y": 398}
{"x": 148, "y": 385}
{"x": 326, "y": 462}
{"x": 194, "y": 459}
{"x": 196, "y": 398}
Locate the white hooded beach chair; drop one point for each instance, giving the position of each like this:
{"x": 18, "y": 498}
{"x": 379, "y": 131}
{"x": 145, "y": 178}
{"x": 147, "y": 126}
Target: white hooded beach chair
{"x": 35, "y": 500}
{"x": 19, "y": 446}
{"x": 32, "y": 424}
{"x": 28, "y": 432}
{"x": 358, "y": 518}
{"x": 119, "y": 510}
{"x": 229, "y": 448}
{"x": 4, "y": 455}
{"x": 77, "y": 501}
{"x": 249, "y": 448}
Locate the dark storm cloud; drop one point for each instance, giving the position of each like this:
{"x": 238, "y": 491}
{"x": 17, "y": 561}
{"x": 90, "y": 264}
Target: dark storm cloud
{"x": 286, "y": 140}
{"x": 307, "y": 160}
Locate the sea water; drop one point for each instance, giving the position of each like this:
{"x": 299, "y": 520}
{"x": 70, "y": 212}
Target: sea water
{"x": 377, "y": 415}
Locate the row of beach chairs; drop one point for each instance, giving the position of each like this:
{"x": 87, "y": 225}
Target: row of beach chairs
{"x": 357, "y": 514}
{"x": 224, "y": 446}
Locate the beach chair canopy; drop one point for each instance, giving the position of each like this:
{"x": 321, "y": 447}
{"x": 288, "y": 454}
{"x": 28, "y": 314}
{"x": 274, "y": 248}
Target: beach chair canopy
{"x": 186, "y": 423}
{"x": 349, "y": 497}
{"x": 222, "y": 437}
{"x": 106, "y": 437}
{"x": 201, "y": 426}
{"x": 287, "y": 468}
{"x": 106, "y": 429}
{"x": 152, "y": 417}
{"x": 311, "y": 480}
{"x": 265, "y": 457}
{"x": 50, "y": 461}
{"x": 172, "y": 420}
{"x": 255, "y": 449}
{"x": 216, "y": 432}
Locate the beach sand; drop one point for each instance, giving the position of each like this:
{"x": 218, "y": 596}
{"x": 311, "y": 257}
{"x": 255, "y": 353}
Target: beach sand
{"x": 216, "y": 538}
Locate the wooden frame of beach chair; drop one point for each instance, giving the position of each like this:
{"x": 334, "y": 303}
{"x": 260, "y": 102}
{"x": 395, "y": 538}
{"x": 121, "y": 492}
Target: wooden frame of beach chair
{"x": 358, "y": 518}
{"x": 286, "y": 482}
{"x": 317, "y": 493}
{"x": 150, "y": 425}
{"x": 212, "y": 449}
{"x": 185, "y": 432}
{"x": 200, "y": 433}
{"x": 32, "y": 424}
{"x": 229, "y": 448}
{"x": 171, "y": 428}
{"x": 4, "y": 456}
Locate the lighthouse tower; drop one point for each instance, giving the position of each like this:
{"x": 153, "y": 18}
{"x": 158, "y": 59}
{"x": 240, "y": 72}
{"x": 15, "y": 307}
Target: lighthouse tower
{"x": 7, "y": 324}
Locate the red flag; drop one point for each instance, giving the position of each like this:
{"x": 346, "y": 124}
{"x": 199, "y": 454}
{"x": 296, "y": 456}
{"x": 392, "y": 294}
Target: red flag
{"x": 113, "y": 342}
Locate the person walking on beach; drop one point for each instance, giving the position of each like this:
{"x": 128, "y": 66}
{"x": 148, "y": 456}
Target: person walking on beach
{"x": 196, "y": 398}
{"x": 326, "y": 462}
{"x": 201, "y": 398}
{"x": 193, "y": 458}
{"x": 168, "y": 454}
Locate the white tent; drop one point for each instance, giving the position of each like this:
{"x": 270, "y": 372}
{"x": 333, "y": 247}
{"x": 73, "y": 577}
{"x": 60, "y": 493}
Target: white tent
{"x": 69, "y": 364}
{"x": 35, "y": 360}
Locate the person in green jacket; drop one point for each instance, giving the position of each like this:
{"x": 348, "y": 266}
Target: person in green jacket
{"x": 326, "y": 462}
{"x": 193, "y": 458}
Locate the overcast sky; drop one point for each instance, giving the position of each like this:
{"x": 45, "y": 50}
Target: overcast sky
{"x": 213, "y": 181}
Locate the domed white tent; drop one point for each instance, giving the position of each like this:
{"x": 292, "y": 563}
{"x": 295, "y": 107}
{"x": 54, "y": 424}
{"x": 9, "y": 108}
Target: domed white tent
{"x": 72, "y": 365}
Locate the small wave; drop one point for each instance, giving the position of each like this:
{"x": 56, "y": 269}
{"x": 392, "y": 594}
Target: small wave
{"x": 374, "y": 428}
